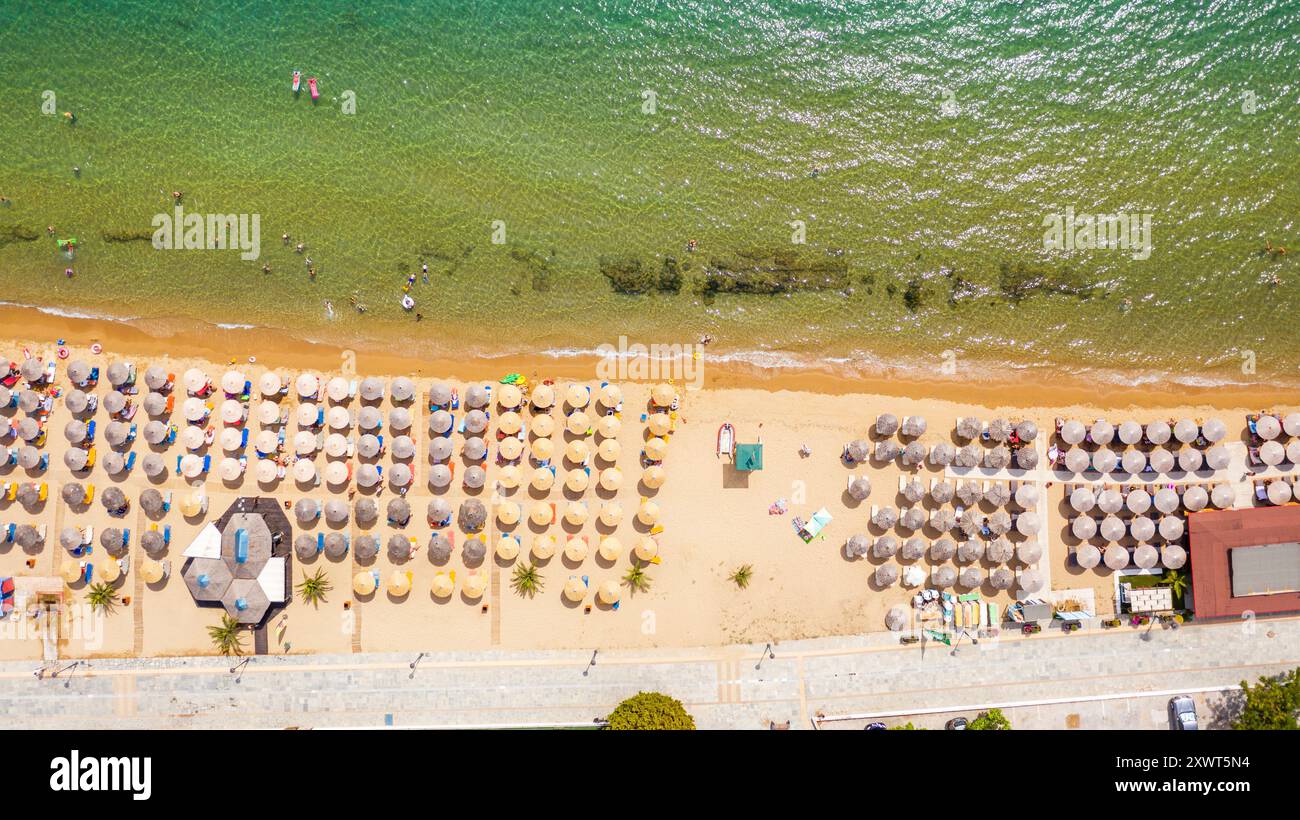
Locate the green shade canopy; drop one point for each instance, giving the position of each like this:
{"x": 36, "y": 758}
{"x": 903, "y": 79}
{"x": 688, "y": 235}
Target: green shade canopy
{"x": 749, "y": 456}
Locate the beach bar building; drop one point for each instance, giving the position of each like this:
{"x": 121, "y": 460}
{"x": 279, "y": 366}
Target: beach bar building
{"x": 1245, "y": 560}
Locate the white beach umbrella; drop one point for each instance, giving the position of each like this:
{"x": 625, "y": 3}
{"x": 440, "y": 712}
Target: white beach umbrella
{"x": 270, "y": 383}
{"x": 338, "y": 418}
{"x": 1223, "y": 496}
{"x": 1195, "y": 498}
{"x": 308, "y": 385}
{"x": 1186, "y": 431}
{"x": 1104, "y": 460}
{"x": 1272, "y": 453}
{"x": 1173, "y": 556}
{"x": 307, "y": 414}
{"x": 1267, "y": 427}
{"x": 1214, "y": 430}
{"x": 195, "y": 409}
{"x": 267, "y": 442}
{"x": 1293, "y": 451}
{"x": 229, "y": 469}
{"x": 337, "y": 389}
{"x": 268, "y": 413}
{"x": 1129, "y": 432}
{"x": 439, "y": 476}
{"x": 232, "y": 412}
{"x": 192, "y": 437}
{"x": 1116, "y": 557}
{"x": 1102, "y": 432}
{"x": 1134, "y": 461}
{"x": 1073, "y": 432}
{"x": 1146, "y": 556}
{"x": 1218, "y": 457}
{"x": 266, "y": 471}
{"x": 232, "y": 382}
{"x": 1162, "y": 461}
{"x": 1082, "y": 499}
{"x": 1077, "y": 460}
{"x": 336, "y": 472}
{"x": 1029, "y": 552}
{"x": 1142, "y": 528}
{"x": 191, "y": 465}
{"x": 1291, "y": 424}
{"x": 372, "y": 388}
{"x": 1166, "y": 500}
{"x": 196, "y": 381}
{"x": 304, "y": 471}
{"x": 232, "y": 439}
{"x": 1190, "y": 459}
{"x": 1027, "y": 524}
{"x": 368, "y": 475}
{"x": 1027, "y": 495}
{"x": 1087, "y": 556}
{"x": 1279, "y": 492}
{"x": 304, "y": 442}
{"x": 1112, "y": 528}
{"x": 369, "y": 418}
{"x": 1031, "y": 580}
{"x": 1110, "y": 501}
{"x": 1158, "y": 432}
{"x": 1083, "y": 527}
{"x": 336, "y": 445}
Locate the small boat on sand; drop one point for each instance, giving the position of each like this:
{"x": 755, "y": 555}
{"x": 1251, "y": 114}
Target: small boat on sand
{"x": 726, "y": 439}
{"x": 315, "y": 92}
{"x": 297, "y": 81}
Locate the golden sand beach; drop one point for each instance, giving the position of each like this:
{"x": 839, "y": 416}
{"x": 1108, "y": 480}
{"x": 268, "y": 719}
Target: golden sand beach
{"x": 711, "y": 518}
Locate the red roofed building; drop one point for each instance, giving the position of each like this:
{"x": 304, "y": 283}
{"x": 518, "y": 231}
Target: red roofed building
{"x": 1245, "y": 561}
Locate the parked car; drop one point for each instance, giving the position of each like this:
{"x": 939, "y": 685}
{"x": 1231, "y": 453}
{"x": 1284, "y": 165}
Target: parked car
{"x": 1182, "y": 714}
{"x": 957, "y": 723}
{"x": 875, "y": 727}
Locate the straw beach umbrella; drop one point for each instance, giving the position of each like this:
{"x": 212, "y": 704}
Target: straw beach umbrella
{"x": 474, "y": 449}
{"x": 77, "y": 401}
{"x": 999, "y": 551}
{"x": 857, "y": 546}
{"x": 942, "y": 454}
{"x": 1026, "y": 458}
{"x": 1026, "y": 430}
{"x": 366, "y": 547}
{"x": 858, "y": 450}
{"x": 476, "y": 397}
{"x": 886, "y": 546}
{"x": 439, "y": 548}
{"x": 944, "y": 577}
{"x": 913, "y": 426}
{"x": 887, "y": 450}
{"x": 913, "y": 549}
{"x": 971, "y": 578}
{"x": 884, "y": 517}
{"x": 970, "y": 550}
{"x": 943, "y": 550}
{"x": 886, "y": 575}
{"x": 913, "y": 454}
{"x": 153, "y": 465}
{"x": 999, "y": 430}
{"x": 886, "y": 424}
{"x": 968, "y": 427}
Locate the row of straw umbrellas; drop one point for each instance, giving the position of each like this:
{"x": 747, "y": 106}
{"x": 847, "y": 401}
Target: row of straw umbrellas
{"x": 1166, "y": 499}
{"x": 398, "y": 585}
{"x": 942, "y": 454}
{"x": 997, "y": 551}
{"x": 972, "y": 577}
{"x": 1160, "y": 460}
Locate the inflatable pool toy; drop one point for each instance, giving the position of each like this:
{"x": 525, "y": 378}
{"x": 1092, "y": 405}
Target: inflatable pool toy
{"x": 63, "y": 353}
{"x": 315, "y": 92}
{"x": 408, "y": 302}
{"x": 96, "y": 348}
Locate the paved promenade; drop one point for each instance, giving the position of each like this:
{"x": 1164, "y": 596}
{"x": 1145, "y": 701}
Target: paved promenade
{"x": 720, "y": 686}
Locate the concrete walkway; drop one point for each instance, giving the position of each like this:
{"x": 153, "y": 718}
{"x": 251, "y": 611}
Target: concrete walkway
{"x": 723, "y": 687}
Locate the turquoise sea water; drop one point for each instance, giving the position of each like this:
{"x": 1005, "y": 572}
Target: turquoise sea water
{"x": 924, "y": 221}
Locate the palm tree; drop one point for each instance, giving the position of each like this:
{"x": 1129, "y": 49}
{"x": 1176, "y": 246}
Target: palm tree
{"x": 228, "y": 638}
{"x": 741, "y": 576}
{"x": 1177, "y": 582}
{"x": 312, "y": 588}
{"x": 102, "y": 597}
{"x": 527, "y": 581}
{"x": 635, "y": 578}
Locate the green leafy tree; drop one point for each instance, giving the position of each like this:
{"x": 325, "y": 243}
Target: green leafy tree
{"x": 651, "y": 710}
{"x": 907, "y": 727}
{"x": 1273, "y": 703}
{"x": 993, "y": 719}
{"x": 228, "y": 636}
{"x": 742, "y": 576}
{"x": 102, "y": 597}
{"x": 527, "y": 580}
{"x": 312, "y": 588}
{"x": 635, "y": 579}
